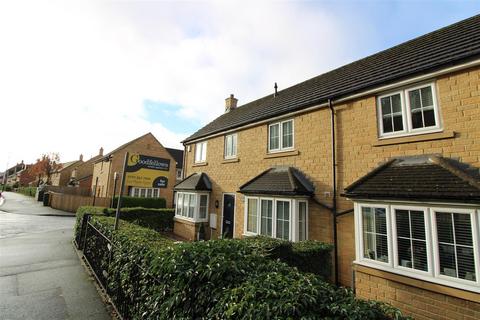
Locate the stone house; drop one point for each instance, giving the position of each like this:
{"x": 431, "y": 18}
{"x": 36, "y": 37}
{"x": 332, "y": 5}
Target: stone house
{"x": 61, "y": 177}
{"x": 380, "y": 157}
{"x": 81, "y": 175}
{"x": 109, "y": 166}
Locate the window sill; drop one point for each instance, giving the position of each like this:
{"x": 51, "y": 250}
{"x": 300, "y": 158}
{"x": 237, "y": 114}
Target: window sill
{"x": 280, "y": 154}
{"x": 188, "y": 220}
{"x": 200, "y": 164}
{"x": 441, "y": 286}
{"x": 415, "y": 138}
{"x": 233, "y": 160}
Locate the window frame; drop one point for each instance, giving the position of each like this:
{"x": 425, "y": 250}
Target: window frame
{"x": 293, "y": 219}
{"x": 203, "y": 151}
{"x": 407, "y": 111}
{"x": 234, "y": 146}
{"x": 433, "y": 276}
{"x": 428, "y": 238}
{"x": 281, "y": 148}
{"x": 196, "y": 210}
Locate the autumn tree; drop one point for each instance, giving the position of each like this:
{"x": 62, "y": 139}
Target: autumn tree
{"x": 41, "y": 170}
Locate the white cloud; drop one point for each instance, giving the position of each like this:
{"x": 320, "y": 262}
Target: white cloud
{"x": 74, "y": 75}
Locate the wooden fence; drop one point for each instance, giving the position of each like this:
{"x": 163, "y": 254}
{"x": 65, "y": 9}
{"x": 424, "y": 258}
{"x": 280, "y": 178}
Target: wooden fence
{"x": 71, "y": 202}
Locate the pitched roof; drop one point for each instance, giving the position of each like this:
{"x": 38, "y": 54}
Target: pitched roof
{"x": 195, "y": 182}
{"x": 125, "y": 145}
{"x": 419, "y": 178}
{"x": 454, "y": 44}
{"x": 279, "y": 181}
{"x": 65, "y": 165}
{"x": 176, "y": 154}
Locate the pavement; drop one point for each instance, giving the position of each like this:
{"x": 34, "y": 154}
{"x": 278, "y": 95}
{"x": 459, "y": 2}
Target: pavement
{"x": 41, "y": 276}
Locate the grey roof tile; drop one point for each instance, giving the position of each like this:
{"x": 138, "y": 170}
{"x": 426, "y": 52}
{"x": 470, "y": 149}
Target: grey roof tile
{"x": 195, "y": 182}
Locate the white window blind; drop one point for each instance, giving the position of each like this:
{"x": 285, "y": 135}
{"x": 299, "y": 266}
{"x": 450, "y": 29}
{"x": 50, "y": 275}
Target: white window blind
{"x": 266, "y": 217}
{"x": 283, "y": 220}
{"x": 252, "y": 215}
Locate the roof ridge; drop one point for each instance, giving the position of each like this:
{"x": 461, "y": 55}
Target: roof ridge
{"x": 442, "y": 162}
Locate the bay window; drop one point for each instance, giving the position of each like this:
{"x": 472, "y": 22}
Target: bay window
{"x": 276, "y": 217}
{"x": 145, "y": 192}
{"x": 192, "y": 206}
{"x": 280, "y": 136}
{"x": 408, "y": 111}
{"x": 429, "y": 243}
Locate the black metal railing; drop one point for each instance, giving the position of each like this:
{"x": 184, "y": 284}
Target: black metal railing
{"x": 80, "y": 236}
{"x": 98, "y": 252}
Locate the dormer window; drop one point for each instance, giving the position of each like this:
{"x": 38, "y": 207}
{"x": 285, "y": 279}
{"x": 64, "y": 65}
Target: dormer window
{"x": 409, "y": 111}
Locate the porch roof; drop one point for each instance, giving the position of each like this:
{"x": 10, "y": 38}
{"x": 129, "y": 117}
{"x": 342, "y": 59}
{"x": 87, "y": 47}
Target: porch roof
{"x": 195, "y": 182}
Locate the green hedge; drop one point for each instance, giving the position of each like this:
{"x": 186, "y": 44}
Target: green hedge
{"x": 220, "y": 279}
{"x": 156, "y": 219}
{"x": 308, "y": 256}
{"x": 28, "y": 191}
{"x": 7, "y": 187}
{"x": 132, "y": 202}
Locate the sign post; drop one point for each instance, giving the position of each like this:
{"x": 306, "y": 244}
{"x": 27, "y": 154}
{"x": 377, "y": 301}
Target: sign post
{"x": 122, "y": 186}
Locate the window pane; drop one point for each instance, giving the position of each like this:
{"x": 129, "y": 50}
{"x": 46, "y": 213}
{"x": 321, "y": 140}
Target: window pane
{"x": 398, "y": 122}
{"x": 387, "y": 124}
{"x": 155, "y": 193}
{"x": 186, "y": 201}
{"x": 415, "y": 102}
{"x": 274, "y": 139}
{"x": 375, "y": 242}
{"x": 427, "y": 99}
{"x": 302, "y": 221}
{"x": 203, "y": 206}
{"x": 149, "y": 193}
{"x": 191, "y": 207}
{"x": 287, "y": 134}
{"x": 136, "y": 192}
{"x": 455, "y": 240}
{"x": 180, "y": 204}
{"x": 411, "y": 240}
{"x": 386, "y": 106}
{"x": 234, "y": 145}
{"x": 204, "y": 151}
{"x": 266, "y": 217}
{"x": 252, "y": 216}
{"x": 417, "y": 119}
{"x": 283, "y": 220}
{"x": 142, "y": 193}
{"x": 396, "y": 103}
{"x": 429, "y": 118}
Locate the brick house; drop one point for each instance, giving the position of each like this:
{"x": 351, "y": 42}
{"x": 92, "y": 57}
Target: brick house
{"x": 62, "y": 175}
{"x": 81, "y": 176}
{"x": 380, "y": 157}
{"x": 103, "y": 179}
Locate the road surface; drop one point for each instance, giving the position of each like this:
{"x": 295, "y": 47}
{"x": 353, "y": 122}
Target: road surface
{"x": 41, "y": 276}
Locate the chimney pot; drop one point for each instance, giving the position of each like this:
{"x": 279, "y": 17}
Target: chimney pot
{"x": 230, "y": 103}
{"x": 100, "y": 152}
{"x": 81, "y": 157}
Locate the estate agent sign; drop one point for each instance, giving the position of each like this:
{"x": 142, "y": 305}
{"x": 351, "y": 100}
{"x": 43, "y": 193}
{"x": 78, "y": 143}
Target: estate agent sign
{"x": 146, "y": 171}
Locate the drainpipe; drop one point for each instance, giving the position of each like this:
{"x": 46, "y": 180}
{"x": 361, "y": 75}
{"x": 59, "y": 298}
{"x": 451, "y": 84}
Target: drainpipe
{"x": 334, "y": 182}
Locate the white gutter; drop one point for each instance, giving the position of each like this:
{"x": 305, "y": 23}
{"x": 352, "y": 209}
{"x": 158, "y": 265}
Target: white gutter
{"x": 426, "y": 76}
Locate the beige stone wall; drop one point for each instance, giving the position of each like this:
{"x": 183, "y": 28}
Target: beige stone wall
{"x": 149, "y": 146}
{"x": 359, "y": 150}
{"x": 418, "y": 299}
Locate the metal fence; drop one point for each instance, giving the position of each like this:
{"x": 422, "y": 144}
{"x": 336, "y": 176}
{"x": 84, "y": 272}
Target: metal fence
{"x": 98, "y": 251}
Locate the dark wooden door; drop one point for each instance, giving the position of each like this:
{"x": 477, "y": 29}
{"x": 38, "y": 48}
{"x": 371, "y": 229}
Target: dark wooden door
{"x": 228, "y": 215}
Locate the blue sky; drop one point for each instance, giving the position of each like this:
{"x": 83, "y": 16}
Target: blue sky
{"x": 110, "y": 71}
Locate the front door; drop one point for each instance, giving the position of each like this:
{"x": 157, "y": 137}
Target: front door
{"x": 228, "y": 215}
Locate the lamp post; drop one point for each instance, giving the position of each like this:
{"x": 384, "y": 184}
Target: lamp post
{"x": 115, "y": 179}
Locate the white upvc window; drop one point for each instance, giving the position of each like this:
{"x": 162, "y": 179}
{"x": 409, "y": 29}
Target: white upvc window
{"x": 430, "y": 243}
{"x": 281, "y": 136}
{"x": 409, "y": 111}
{"x": 279, "y": 218}
{"x": 192, "y": 206}
{"x": 179, "y": 174}
{"x": 230, "y": 151}
{"x": 201, "y": 152}
{"x": 145, "y": 192}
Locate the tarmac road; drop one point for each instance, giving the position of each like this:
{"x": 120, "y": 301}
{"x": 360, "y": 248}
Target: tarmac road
{"x": 41, "y": 276}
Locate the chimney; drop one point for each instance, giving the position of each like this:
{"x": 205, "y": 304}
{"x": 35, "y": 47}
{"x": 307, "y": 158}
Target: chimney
{"x": 230, "y": 103}
{"x": 100, "y": 152}
{"x": 81, "y": 157}
{"x": 275, "y": 87}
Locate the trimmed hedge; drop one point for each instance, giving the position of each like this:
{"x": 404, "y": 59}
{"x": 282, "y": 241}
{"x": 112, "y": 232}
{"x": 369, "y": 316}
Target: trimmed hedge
{"x": 307, "y": 256}
{"x": 135, "y": 202}
{"x": 156, "y": 219}
{"x": 220, "y": 279}
{"x": 28, "y": 191}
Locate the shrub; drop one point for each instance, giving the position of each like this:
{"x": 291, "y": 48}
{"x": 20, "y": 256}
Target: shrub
{"x": 156, "y": 219}
{"x": 8, "y": 187}
{"x": 308, "y": 256}
{"x": 131, "y": 202}
{"x": 28, "y": 191}
{"x": 219, "y": 279}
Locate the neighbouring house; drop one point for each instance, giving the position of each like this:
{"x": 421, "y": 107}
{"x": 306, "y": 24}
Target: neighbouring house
{"x": 12, "y": 175}
{"x": 178, "y": 156}
{"x": 61, "y": 176}
{"x": 380, "y": 157}
{"x": 151, "y": 170}
{"x": 82, "y": 175}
